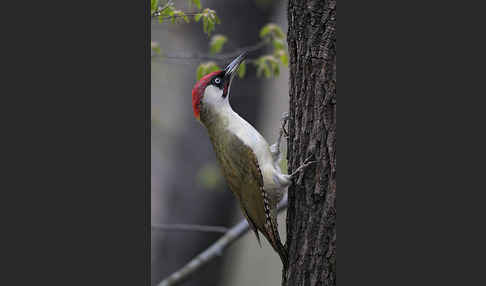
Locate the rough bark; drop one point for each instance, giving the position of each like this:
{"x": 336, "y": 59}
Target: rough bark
{"x": 311, "y": 216}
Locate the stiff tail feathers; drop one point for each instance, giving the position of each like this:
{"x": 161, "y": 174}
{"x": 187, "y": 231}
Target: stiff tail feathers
{"x": 274, "y": 239}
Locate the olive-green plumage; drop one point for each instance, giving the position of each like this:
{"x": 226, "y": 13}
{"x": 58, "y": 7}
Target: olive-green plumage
{"x": 249, "y": 164}
{"x": 242, "y": 173}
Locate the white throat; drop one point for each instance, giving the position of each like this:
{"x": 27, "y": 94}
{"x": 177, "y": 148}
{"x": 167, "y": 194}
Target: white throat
{"x": 213, "y": 100}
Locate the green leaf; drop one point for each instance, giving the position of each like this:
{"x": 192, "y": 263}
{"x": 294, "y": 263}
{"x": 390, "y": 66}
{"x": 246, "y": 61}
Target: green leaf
{"x": 206, "y": 68}
{"x": 272, "y": 30}
{"x": 213, "y": 68}
{"x": 200, "y": 71}
{"x": 266, "y": 71}
{"x": 166, "y": 13}
{"x": 154, "y": 4}
{"x": 181, "y": 15}
{"x": 242, "y": 70}
{"x": 283, "y": 56}
{"x": 196, "y": 2}
{"x": 210, "y": 26}
{"x": 209, "y": 20}
{"x": 178, "y": 16}
{"x": 216, "y": 43}
{"x": 260, "y": 65}
{"x": 275, "y": 69}
{"x": 197, "y": 17}
{"x": 205, "y": 25}
{"x": 264, "y": 31}
{"x": 271, "y": 59}
{"x": 267, "y": 65}
{"x": 278, "y": 44}
{"x": 168, "y": 10}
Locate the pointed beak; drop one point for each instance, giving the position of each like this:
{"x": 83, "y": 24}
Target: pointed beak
{"x": 230, "y": 70}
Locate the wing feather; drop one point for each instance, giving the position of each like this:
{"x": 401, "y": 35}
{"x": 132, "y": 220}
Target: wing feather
{"x": 242, "y": 172}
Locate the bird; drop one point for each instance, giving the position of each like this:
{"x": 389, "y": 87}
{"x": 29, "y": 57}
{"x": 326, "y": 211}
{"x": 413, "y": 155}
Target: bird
{"x": 249, "y": 164}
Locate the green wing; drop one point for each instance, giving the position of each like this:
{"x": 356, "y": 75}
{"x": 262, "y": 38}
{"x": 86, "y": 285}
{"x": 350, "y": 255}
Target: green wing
{"x": 242, "y": 172}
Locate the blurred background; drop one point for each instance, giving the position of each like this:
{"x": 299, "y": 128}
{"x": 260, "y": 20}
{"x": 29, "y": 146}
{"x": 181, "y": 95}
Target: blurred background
{"x": 187, "y": 185}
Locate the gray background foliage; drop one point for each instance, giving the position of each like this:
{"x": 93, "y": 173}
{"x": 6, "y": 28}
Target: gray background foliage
{"x": 187, "y": 186}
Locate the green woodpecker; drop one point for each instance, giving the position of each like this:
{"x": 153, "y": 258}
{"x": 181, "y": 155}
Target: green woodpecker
{"x": 249, "y": 165}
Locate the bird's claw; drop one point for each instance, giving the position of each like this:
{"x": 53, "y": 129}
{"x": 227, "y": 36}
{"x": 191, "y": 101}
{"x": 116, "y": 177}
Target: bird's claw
{"x": 285, "y": 116}
{"x": 303, "y": 166}
{"x": 284, "y": 119}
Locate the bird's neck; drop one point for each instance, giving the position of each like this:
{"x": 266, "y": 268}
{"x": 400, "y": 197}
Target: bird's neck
{"x": 218, "y": 118}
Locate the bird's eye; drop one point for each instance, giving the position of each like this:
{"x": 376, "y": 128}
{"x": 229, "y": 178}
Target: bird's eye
{"x": 217, "y": 80}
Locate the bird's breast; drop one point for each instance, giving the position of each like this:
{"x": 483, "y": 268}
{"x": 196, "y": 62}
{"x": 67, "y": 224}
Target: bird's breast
{"x": 253, "y": 139}
{"x": 228, "y": 124}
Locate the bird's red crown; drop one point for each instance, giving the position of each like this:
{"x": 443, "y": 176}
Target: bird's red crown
{"x": 198, "y": 91}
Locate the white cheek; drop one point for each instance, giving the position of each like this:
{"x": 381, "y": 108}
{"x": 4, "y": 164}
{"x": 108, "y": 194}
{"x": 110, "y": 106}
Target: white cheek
{"x": 213, "y": 96}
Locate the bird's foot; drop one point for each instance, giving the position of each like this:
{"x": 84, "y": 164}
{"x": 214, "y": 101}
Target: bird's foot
{"x": 275, "y": 148}
{"x": 283, "y": 120}
{"x": 302, "y": 167}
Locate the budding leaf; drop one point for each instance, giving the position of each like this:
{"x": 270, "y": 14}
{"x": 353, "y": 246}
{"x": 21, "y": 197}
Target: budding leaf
{"x": 212, "y": 68}
{"x": 242, "y": 70}
{"x": 285, "y": 59}
{"x": 266, "y": 71}
{"x": 209, "y": 20}
{"x": 206, "y": 68}
{"x": 261, "y": 66}
{"x": 205, "y": 25}
{"x": 216, "y": 43}
{"x": 275, "y": 68}
{"x": 283, "y": 56}
{"x": 168, "y": 12}
{"x": 268, "y": 66}
{"x": 264, "y": 31}
{"x": 272, "y": 30}
{"x": 154, "y": 4}
{"x": 278, "y": 44}
{"x": 196, "y": 2}
{"x": 177, "y": 15}
{"x": 200, "y": 71}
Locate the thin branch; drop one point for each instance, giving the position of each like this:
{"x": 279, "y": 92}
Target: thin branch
{"x": 219, "y": 57}
{"x": 157, "y": 18}
{"x": 156, "y": 15}
{"x": 216, "y": 249}
{"x": 161, "y": 8}
{"x": 190, "y": 227}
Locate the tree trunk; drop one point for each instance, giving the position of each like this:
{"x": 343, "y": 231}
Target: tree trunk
{"x": 311, "y": 215}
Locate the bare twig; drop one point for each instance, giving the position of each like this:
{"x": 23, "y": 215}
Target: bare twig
{"x": 157, "y": 18}
{"x": 161, "y": 8}
{"x": 219, "y": 57}
{"x": 190, "y": 227}
{"x": 216, "y": 249}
